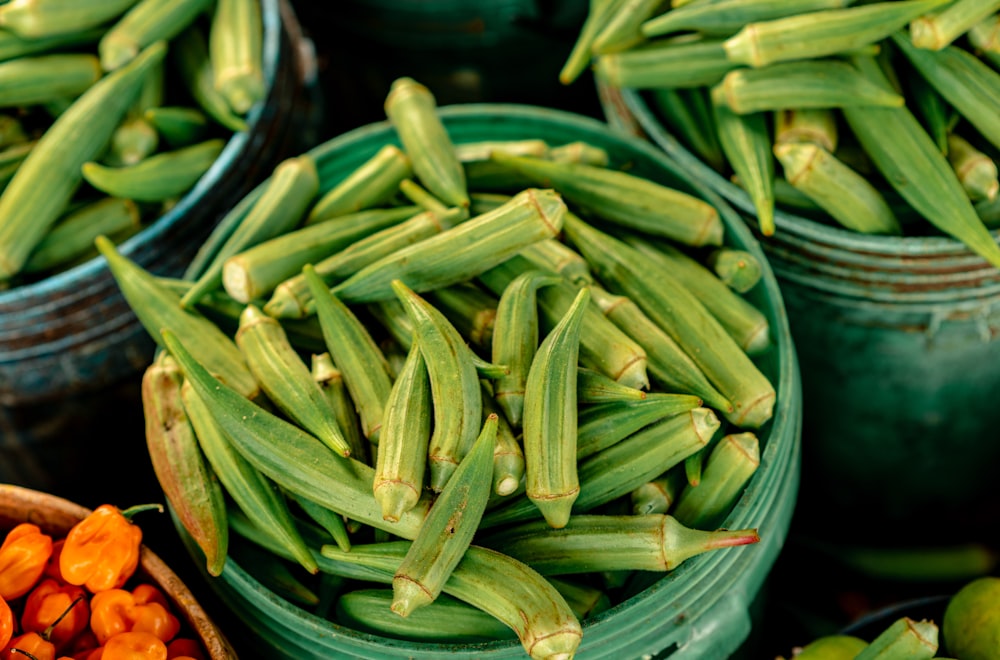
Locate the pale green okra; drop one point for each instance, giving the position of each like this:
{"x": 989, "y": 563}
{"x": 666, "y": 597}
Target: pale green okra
{"x": 162, "y": 176}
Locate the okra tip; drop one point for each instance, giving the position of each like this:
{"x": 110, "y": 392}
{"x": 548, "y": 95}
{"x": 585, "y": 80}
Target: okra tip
{"x": 408, "y": 595}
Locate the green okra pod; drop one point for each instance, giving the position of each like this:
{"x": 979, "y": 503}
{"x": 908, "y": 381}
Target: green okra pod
{"x": 726, "y": 17}
{"x": 11, "y": 131}
{"x": 666, "y": 64}
{"x": 404, "y": 439}
{"x": 326, "y": 518}
{"x": 146, "y": 22}
{"x": 293, "y": 459}
{"x": 448, "y": 528}
{"x": 625, "y": 465}
{"x": 688, "y": 114}
{"x": 602, "y": 425}
{"x": 684, "y": 318}
{"x": 180, "y": 126}
{"x": 13, "y": 46}
{"x": 508, "y": 456}
{"x": 412, "y": 111}
{"x": 594, "y": 387}
{"x": 584, "y": 600}
{"x": 693, "y": 466}
{"x": 976, "y": 170}
{"x": 255, "y": 272}
{"x": 658, "y": 495}
{"x": 292, "y": 299}
{"x": 937, "y": 29}
{"x": 594, "y": 543}
{"x": 132, "y": 142}
{"x": 42, "y": 78}
{"x": 158, "y": 307}
{"x": 579, "y": 151}
{"x": 550, "y": 410}
{"x": 820, "y": 33}
{"x": 188, "y": 481}
{"x": 286, "y": 379}
{"x": 235, "y": 42}
{"x": 552, "y": 254}
{"x": 935, "y": 113}
{"x": 816, "y": 126}
{"x": 354, "y": 351}
{"x": 598, "y": 14}
{"x": 622, "y": 30}
{"x": 626, "y": 199}
{"x": 984, "y": 37}
{"x": 331, "y": 382}
{"x": 462, "y": 252}
{"x": 747, "y": 145}
{"x": 912, "y": 164}
{"x": 280, "y": 207}
{"x": 50, "y": 174}
{"x": 739, "y": 269}
{"x": 446, "y": 620}
{"x": 371, "y": 184}
{"x": 904, "y": 638}
{"x": 159, "y": 177}
{"x": 72, "y": 237}
{"x": 745, "y": 323}
{"x": 515, "y": 339}
{"x": 471, "y": 310}
{"x": 59, "y": 22}
{"x": 419, "y": 196}
{"x": 190, "y": 53}
{"x": 455, "y": 388}
{"x": 251, "y": 490}
{"x": 730, "y": 465}
{"x": 832, "y": 646}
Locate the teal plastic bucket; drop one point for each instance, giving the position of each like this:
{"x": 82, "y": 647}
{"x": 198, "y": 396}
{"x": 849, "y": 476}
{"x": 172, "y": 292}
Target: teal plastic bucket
{"x": 700, "y": 610}
{"x": 898, "y": 341}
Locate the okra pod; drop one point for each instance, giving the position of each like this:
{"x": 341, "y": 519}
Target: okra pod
{"x": 579, "y": 151}
{"x": 904, "y": 638}
{"x": 462, "y": 252}
{"x": 455, "y": 388}
{"x": 11, "y": 131}
{"x": 726, "y": 17}
{"x": 935, "y": 113}
{"x": 190, "y": 52}
{"x": 976, "y": 170}
{"x": 72, "y": 237}
{"x": 602, "y": 425}
{"x": 585, "y": 601}
{"x": 13, "y": 46}
{"x": 688, "y": 113}
{"x": 286, "y": 379}
{"x": 179, "y": 126}
{"x": 405, "y": 436}
{"x": 354, "y": 351}
{"x": 163, "y": 176}
{"x": 329, "y": 520}
{"x": 730, "y": 465}
{"x": 598, "y": 14}
{"x": 371, "y": 184}
{"x": 471, "y": 310}
{"x": 280, "y": 207}
{"x": 448, "y": 528}
{"x": 594, "y": 387}
{"x": 508, "y": 457}
{"x": 984, "y": 37}
{"x": 188, "y": 482}
{"x": 668, "y": 64}
{"x": 132, "y": 142}
{"x": 594, "y": 543}
{"x": 622, "y": 30}
{"x": 331, "y": 382}
{"x": 937, "y": 29}
{"x": 412, "y": 111}
{"x": 658, "y": 495}
{"x": 50, "y": 175}
{"x": 58, "y": 22}
{"x": 816, "y": 126}
{"x": 739, "y": 269}
{"x": 235, "y": 42}
{"x": 419, "y": 196}
{"x": 146, "y": 22}
{"x": 42, "y": 78}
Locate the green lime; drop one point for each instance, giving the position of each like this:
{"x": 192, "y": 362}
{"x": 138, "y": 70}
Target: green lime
{"x": 972, "y": 621}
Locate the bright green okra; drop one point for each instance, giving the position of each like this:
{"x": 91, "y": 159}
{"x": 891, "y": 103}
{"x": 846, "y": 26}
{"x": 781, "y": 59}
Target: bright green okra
{"x": 595, "y": 387}
{"x": 935, "y": 113}
{"x": 462, "y": 252}
{"x": 42, "y": 78}
{"x": 179, "y": 126}
{"x": 495, "y": 583}
{"x": 146, "y": 22}
{"x": 688, "y": 113}
{"x": 515, "y": 339}
{"x": 58, "y": 22}
{"x": 131, "y": 143}
{"x": 626, "y": 199}
{"x": 658, "y": 495}
{"x": 286, "y": 379}
{"x": 622, "y": 30}
{"x": 189, "y": 50}
{"x": 331, "y": 382}
{"x": 976, "y": 170}
{"x": 594, "y": 543}
{"x": 419, "y": 196}
{"x": 984, "y": 36}
{"x": 405, "y": 436}
{"x": 455, "y": 388}
{"x": 904, "y": 639}
{"x": 159, "y": 177}
{"x": 157, "y": 307}
{"x": 726, "y": 17}
{"x": 235, "y": 42}
{"x": 188, "y": 482}
{"x": 739, "y": 269}
{"x": 50, "y": 175}
{"x": 412, "y": 111}
{"x": 508, "y": 456}
{"x": 279, "y": 208}
{"x": 580, "y": 55}
{"x": 552, "y": 254}
{"x": 821, "y": 33}
{"x": 603, "y": 425}
{"x": 667, "y": 64}
{"x": 550, "y": 410}
{"x": 816, "y": 126}
{"x": 255, "y": 272}
{"x": 937, "y": 29}
{"x": 371, "y": 184}
{"x": 251, "y": 490}
{"x": 72, "y": 237}
{"x": 353, "y": 350}
{"x": 730, "y": 465}
{"x": 448, "y": 528}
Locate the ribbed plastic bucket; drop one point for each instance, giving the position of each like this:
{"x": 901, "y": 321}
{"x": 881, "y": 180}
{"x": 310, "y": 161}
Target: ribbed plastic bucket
{"x": 700, "y": 610}
{"x": 899, "y": 345}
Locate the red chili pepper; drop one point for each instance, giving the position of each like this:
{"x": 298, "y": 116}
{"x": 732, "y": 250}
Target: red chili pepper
{"x": 184, "y": 648}
{"x": 6, "y": 623}
{"x": 115, "y": 611}
{"x": 102, "y": 550}
{"x": 135, "y": 645}
{"x": 22, "y": 559}
{"x": 27, "y": 646}
{"x": 57, "y": 612}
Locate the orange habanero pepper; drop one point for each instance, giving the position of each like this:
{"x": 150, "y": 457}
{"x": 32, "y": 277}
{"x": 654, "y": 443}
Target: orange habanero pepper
{"x": 102, "y": 550}
{"x": 115, "y": 611}
{"x": 135, "y": 645}
{"x": 29, "y": 645}
{"x": 52, "y": 565}
{"x": 6, "y": 623}
{"x": 22, "y": 559}
{"x": 184, "y": 648}
{"x": 56, "y": 611}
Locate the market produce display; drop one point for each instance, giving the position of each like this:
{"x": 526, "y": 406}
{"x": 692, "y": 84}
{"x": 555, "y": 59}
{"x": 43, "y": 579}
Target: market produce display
{"x": 880, "y": 117}
{"x": 109, "y": 113}
{"x": 467, "y": 372}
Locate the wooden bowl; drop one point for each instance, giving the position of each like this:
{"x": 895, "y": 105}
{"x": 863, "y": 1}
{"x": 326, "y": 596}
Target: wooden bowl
{"x": 55, "y": 516}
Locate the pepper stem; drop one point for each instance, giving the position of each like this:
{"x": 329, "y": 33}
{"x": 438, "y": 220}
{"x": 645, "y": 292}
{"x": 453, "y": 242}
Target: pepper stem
{"x": 47, "y": 633}
{"x": 130, "y": 512}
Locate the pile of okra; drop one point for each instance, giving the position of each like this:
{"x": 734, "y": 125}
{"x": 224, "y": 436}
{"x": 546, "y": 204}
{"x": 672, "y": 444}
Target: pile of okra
{"x": 466, "y": 392}
{"x": 880, "y": 117}
{"x": 110, "y": 111}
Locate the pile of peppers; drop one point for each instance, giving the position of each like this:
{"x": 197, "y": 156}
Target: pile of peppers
{"x": 67, "y": 598}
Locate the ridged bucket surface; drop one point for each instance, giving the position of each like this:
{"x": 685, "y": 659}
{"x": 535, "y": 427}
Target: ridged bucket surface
{"x": 898, "y": 341}
{"x": 700, "y": 610}
{"x": 73, "y": 333}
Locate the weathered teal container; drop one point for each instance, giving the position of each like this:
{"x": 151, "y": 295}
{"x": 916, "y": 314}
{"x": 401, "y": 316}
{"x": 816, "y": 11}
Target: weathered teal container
{"x": 702, "y": 609}
{"x": 899, "y": 345}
